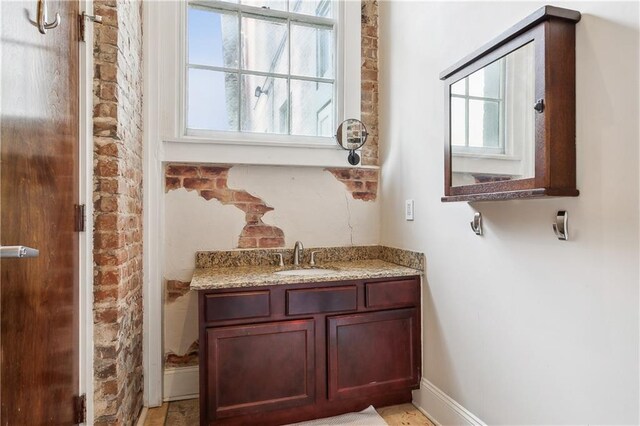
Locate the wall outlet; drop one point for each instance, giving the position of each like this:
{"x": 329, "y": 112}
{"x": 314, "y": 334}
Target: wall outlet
{"x": 408, "y": 210}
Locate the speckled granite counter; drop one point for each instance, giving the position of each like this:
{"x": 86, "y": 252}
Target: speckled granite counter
{"x": 249, "y": 276}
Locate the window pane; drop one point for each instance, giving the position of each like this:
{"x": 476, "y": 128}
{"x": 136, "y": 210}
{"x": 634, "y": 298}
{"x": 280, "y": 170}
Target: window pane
{"x": 486, "y": 81}
{"x": 484, "y": 124}
{"x": 311, "y": 108}
{"x": 264, "y": 104}
{"x": 212, "y": 100}
{"x": 458, "y": 122}
{"x": 267, "y": 4}
{"x": 264, "y": 45}
{"x": 311, "y": 51}
{"x": 311, "y": 7}
{"x": 213, "y": 38}
{"x": 458, "y": 88}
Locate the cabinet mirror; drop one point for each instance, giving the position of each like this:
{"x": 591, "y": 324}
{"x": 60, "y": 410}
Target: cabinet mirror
{"x": 492, "y": 121}
{"x": 510, "y": 113}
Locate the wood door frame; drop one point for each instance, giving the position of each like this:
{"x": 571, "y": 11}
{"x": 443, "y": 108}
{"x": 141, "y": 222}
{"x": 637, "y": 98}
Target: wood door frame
{"x": 85, "y": 196}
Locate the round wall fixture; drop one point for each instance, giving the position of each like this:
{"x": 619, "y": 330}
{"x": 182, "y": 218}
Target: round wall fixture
{"x": 351, "y": 135}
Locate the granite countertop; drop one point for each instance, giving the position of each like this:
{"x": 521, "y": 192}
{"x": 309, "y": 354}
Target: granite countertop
{"x": 250, "y": 276}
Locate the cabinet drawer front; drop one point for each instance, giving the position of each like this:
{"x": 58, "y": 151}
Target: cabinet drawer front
{"x": 245, "y": 304}
{"x": 392, "y": 293}
{"x": 260, "y": 367}
{"x": 318, "y": 300}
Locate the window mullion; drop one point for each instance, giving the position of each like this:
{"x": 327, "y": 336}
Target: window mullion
{"x": 290, "y": 106}
{"x": 466, "y": 113}
{"x": 239, "y": 74}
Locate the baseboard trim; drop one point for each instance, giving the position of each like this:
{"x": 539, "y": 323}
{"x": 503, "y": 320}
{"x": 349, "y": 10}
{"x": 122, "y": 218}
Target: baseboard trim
{"x": 143, "y": 416}
{"x": 440, "y": 408}
{"x": 180, "y": 383}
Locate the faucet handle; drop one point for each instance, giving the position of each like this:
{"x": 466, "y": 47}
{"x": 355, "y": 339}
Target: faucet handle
{"x": 312, "y": 262}
{"x": 281, "y": 259}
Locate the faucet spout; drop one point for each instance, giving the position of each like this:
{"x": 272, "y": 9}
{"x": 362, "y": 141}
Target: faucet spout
{"x": 298, "y": 250}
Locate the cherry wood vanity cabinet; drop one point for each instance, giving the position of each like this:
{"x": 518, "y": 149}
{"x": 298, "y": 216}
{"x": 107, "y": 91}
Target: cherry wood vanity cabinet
{"x": 279, "y": 354}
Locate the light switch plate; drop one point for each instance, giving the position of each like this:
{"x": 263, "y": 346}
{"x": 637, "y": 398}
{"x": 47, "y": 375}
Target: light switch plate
{"x": 408, "y": 210}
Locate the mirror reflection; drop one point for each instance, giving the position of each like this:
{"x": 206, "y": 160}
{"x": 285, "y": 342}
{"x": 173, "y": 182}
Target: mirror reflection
{"x": 351, "y": 135}
{"x": 493, "y": 121}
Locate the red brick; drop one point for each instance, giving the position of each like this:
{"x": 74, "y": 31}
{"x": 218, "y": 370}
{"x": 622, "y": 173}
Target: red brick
{"x": 244, "y": 196}
{"x": 246, "y": 242}
{"x": 172, "y": 183}
{"x": 271, "y": 242}
{"x": 258, "y": 231}
{"x": 224, "y": 196}
{"x": 176, "y": 289}
{"x": 213, "y": 171}
{"x": 364, "y": 196}
{"x": 198, "y": 183}
{"x": 106, "y": 168}
{"x": 181, "y": 170}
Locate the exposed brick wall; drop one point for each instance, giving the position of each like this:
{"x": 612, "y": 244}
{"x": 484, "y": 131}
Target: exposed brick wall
{"x": 118, "y": 141}
{"x": 210, "y": 181}
{"x": 190, "y": 357}
{"x": 369, "y": 77}
{"x": 361, "y": 183}
{"x": 175, "y": 289}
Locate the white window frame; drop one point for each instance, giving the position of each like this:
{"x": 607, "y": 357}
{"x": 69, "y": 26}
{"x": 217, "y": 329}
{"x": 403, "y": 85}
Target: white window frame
{"x": 170, "y": 34}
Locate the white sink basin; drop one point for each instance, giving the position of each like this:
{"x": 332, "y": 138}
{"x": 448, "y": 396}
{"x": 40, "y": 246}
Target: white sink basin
{"x": 306, "y": 272}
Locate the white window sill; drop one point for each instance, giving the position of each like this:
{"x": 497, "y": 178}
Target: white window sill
{"x": 504, "y": 157}
{"x": 198, "y": 150}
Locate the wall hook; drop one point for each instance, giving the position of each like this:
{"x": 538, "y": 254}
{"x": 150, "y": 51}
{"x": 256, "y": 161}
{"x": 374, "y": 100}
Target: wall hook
{"x": 476, "y": 223}
{"x": 561, "y": 226}
{"x": 43, "y": 25}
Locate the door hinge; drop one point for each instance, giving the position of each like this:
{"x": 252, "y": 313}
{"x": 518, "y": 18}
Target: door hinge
{"x": 82, "y": 23}
{"x": 80, "y": 409}
{"x": 80, "y": 218}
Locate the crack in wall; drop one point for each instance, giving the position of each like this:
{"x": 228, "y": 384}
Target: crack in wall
{"x": 346, "y": 200}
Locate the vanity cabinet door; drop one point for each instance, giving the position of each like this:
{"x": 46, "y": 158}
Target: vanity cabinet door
{"x": 259, "y": 367}
{"x": 373, "y": 352}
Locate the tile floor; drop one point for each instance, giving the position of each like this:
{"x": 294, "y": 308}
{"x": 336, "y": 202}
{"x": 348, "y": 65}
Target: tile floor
{"x": 185, "y": 413}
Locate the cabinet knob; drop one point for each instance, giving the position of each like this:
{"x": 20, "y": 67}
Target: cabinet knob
{"x": 539, "y": 106}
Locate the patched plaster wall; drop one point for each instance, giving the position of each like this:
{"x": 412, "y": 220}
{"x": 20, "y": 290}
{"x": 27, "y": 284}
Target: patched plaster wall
{"x": 307, "y": 204}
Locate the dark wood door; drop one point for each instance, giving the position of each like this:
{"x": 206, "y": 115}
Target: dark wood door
{"x": 373, "y": 352}
{"x": 39, "y": 188}
{"x": 259, "y": 367}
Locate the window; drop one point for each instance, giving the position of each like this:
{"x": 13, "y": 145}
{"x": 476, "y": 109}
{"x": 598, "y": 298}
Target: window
{"x": 477, "y": 111}
{"x": 261, "y": 67}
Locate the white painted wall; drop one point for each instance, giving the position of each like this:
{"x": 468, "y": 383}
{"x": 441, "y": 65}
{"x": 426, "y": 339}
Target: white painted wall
{"x": 519, "y": 327}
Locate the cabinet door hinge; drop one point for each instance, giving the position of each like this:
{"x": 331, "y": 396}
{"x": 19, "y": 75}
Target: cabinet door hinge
{"x": 80, "y": 409}
{"x": 80, "y": 218}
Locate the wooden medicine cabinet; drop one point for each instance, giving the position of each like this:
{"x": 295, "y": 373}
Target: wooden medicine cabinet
{"x": 510, "y": 113}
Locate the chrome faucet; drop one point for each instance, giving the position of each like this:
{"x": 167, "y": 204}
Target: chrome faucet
{"x": 298, "y": 250}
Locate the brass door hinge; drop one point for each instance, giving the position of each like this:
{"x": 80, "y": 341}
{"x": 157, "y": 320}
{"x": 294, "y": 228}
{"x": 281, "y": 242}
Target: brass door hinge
{"x": 80, "y": 218}
{"x": 79, "y": 409}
